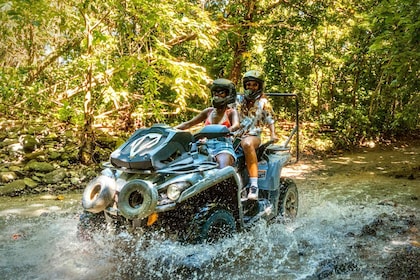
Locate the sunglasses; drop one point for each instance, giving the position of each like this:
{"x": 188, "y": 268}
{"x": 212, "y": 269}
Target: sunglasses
{"x": 251, "y": 84}
{"x": 219, "y": 92}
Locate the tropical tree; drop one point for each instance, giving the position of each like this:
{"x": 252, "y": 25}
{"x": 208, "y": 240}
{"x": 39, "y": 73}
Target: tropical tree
{"x": 110, "y": 58}
{"x": 124, "y": 64}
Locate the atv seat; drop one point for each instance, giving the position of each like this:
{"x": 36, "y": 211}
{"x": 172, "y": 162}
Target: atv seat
{"x": 269, "y": 148}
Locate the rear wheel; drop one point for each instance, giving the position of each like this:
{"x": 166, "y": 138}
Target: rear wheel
{"x": 288, "y": 200}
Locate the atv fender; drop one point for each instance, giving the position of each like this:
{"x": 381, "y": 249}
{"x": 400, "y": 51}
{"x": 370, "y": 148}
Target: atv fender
{"x": 212, "y": 178}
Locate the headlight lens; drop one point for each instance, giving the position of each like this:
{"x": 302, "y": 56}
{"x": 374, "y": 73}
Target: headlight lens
{"x": 174, "y": 190}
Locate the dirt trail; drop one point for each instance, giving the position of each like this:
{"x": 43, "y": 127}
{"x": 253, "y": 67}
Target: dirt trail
{"x": 383, "y": 172}
{"x": 381, "y": 178}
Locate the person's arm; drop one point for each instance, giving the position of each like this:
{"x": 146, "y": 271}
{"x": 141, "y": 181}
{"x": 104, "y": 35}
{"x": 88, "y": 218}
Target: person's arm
{"x": 194, "y": 121}
{"x": 273, "y": 135}
{"x": 234, "y": 120}
{"x": 270, "y": 121}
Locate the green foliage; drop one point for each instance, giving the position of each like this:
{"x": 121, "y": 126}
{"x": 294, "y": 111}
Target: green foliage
{"x": 354, "y": 64}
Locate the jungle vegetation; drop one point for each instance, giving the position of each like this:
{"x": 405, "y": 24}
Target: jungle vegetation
{"x": 126, "y": 64}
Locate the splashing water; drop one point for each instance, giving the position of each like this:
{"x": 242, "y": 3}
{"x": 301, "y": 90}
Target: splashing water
{"x": 349, "y": 226}
{"x": 327, "y": 239}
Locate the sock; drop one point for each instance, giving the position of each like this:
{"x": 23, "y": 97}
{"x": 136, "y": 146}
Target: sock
{"x": 253, "y": 181}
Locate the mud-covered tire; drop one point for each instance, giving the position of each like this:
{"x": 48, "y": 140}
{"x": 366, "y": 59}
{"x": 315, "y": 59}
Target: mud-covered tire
{"x": 137, "y": 200}
{"x": 288, "y": 200}
{"x": 213, "y": 225}
{"x": 99, "y": 194}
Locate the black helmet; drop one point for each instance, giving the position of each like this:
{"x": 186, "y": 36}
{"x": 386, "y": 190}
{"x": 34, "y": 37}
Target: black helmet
{"x": 257, "y": 76}
{"x": 226, "y": 86}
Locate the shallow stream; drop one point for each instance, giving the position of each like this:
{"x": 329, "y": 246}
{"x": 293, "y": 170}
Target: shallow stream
{"x": 358, "y": 219}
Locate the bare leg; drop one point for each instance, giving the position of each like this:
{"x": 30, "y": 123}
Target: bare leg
{"x": 249, "y": 145}
{"x": 225, "y": 159}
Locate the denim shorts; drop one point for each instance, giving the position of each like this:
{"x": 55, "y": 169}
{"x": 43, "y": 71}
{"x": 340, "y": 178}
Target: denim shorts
{"x": 220, "y": 145}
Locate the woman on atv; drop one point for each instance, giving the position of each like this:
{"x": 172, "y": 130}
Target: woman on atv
{"x": 253, "y": 104}
{"x": 223, "y": 93}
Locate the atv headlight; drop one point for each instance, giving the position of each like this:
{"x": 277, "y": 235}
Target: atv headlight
{"x": 174, "y": 190}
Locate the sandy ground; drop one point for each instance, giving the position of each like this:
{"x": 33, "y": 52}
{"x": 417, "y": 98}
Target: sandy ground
{"x": 387, "y": 175}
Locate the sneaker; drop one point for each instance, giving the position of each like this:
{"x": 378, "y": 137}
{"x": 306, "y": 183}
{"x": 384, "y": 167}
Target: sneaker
{"x": 253, "y": 193}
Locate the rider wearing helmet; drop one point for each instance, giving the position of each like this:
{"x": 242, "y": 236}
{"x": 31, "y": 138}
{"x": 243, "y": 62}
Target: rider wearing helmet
{"x": 258, "y": 78}
{"x": 253, "y": 104}
{"x": 223, "y": 93}
{"x": 222, "y": 86}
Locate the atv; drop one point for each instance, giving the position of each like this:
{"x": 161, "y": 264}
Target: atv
{"x": 163, "y": 178}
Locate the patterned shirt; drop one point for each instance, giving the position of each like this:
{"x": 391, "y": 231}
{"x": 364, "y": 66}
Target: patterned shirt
{"x": 260, "y": 112}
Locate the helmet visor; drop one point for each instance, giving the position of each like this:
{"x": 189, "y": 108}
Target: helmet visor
{"x": 219, "y": 91}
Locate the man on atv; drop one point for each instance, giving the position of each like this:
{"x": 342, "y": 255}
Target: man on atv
{"x": 253, "y": 104}
{"x": 223, "y": 93}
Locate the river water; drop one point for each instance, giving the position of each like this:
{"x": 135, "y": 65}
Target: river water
{"x": 358, "y": 219}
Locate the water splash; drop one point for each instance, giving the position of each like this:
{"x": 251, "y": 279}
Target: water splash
{"x": 338, "y": 238}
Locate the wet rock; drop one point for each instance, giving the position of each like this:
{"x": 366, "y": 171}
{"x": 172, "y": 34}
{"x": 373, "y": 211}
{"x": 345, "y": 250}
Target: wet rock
{"x": 34, "y": 155}
{"x": 372, "y": 228}
{"x": 344, "y": 267}
{"x": 303, "y": 247}
{"x": 75, "y": 181}
{"x": 54, "y": 155}
{"x": 331, "y": 267}
{"x": 15, "y": 149}
{"x": 30, "y": 183}
{"x": 387, "y": 202}
{"x": 71, "y": 154}
{"x": 36, "y": 179}
{"x": 325, "y": 270}
{"x": 411, "y": 220}
{"x": 404, "y": 265}
{"x": 29, "y": 143}
{"x": 13, "y": 188}
{"x": 15, "y": 168}
{"x": 7, "y": 176}
{"x": 368, "y": 230}
{"x": 55, "y": 176}
{"x": 39, "y": 166}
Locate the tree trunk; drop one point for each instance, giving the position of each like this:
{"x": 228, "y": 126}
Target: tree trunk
{"x": 240, "y": 47}
{"x": 88, "y": 136}
{"x": 242, "y": 44}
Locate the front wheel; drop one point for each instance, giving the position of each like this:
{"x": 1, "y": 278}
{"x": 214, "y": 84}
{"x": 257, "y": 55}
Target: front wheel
{"x": 288, "y": 200}
{"x": 212, "y": 225}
